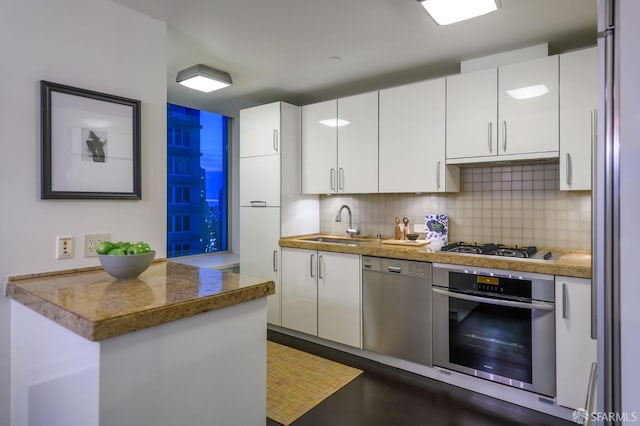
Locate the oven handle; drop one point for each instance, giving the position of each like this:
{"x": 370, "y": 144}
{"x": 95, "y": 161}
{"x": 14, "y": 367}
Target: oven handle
{"x": 501, "y": 302}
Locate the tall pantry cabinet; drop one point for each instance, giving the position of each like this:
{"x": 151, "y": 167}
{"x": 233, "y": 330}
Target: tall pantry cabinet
{"x": 271, "y": 204}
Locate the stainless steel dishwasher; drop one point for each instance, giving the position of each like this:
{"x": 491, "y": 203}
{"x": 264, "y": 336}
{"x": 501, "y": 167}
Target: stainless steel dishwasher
{"x": 396, "y": 305}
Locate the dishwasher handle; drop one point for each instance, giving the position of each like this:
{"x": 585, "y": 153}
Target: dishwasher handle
{"x": 394, "y": 269}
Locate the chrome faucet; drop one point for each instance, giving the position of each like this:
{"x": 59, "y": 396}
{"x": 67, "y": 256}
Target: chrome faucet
{"x": 351, "y": 230}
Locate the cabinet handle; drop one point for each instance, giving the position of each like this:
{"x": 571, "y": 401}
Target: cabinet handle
{"x": 332, "y": 179}
{"x": 275, "y": 260}
{"x": 341, "y": 179}
{"x": 594, "y": 291}
{"x": 275, "y": 140}
{"x": 504, "y": 135}
{"x": 569, "y": 169}
{"x": 594, "y": 125}
{"x": 591, "y": 391}
{"x": 490, "y": 138}
{"x": 312, "y": 260}
{"x": 565, "y": 296}
{"x": 438, "y": 174}
{"x": 320, "y": 267}
{"x": 258, "y": 203}
{"x": 594, "y": 310}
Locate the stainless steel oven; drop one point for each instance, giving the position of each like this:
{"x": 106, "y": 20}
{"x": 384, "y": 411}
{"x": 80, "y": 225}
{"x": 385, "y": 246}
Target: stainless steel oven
{"x": 495, "y": 324}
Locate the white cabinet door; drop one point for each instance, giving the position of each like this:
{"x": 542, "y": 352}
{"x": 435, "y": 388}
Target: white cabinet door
{"x": 528, "y": 114}
{"x": 412, "y": 139}
{"x": 575, "y": 350}
{"x": 260, "y": 252}
{"x": 339, "y": 298}
{"x": 358, "y": 144}
{"x": 259, "y": 130}
{"x": 578, "y": 101}
{"x": 320, "y": 148}
{"x": 472, "y": 101}
{"x": 299, "y": 290}
{"x": 260, "y": 181}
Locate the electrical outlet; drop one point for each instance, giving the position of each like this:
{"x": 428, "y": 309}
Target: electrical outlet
{"x": 64, "y": 247}
{"x": 91, "y": 242}
{"x": 419, "y": 227}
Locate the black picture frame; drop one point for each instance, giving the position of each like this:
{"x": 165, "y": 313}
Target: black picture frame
{"x": 91, "y": 146}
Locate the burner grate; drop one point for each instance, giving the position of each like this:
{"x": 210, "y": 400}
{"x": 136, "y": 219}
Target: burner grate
{"x": 491, "y": 249}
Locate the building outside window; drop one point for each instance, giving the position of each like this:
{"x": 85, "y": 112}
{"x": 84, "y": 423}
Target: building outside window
{"x": 196, "y": 181}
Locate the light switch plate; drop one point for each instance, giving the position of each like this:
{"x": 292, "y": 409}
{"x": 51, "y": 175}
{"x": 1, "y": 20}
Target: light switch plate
{"x": 64, "y": 247}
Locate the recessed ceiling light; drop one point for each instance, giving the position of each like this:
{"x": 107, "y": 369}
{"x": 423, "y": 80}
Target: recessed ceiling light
{"x": 528, "y": 92}
{"x": 335, "y": 59}
{"x": 334, "y": 122}
{"x": 446, "y": 12}
{"x": 203, "y": 78}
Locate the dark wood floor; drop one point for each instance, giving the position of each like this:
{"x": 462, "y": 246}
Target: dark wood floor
{"x": 386, "y": 396}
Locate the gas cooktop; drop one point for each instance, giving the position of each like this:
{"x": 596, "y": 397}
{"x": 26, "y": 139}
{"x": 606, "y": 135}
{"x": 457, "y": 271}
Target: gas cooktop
{"x": 493, "y": 249}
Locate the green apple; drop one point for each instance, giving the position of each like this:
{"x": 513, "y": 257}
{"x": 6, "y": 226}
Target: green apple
{"x": 104, "y": 247}
{"x": 116, "y": 252}
{"x": 135, "y": 249}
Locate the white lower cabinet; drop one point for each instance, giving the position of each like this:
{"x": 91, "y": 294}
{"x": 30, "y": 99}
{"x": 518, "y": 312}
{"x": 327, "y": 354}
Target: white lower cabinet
{"x": 260, "y": 252}
{"x": 575, "y": 349}
{"x": 321, "y": 294}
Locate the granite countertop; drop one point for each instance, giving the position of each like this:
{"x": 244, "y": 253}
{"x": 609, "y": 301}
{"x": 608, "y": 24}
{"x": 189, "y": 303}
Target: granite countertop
{"x": 571, "y": 263}
{"x": 97, "y": 306}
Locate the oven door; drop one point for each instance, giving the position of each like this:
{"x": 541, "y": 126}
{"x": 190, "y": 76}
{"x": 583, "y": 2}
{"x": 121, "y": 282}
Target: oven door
{"x": 505, "y": 341}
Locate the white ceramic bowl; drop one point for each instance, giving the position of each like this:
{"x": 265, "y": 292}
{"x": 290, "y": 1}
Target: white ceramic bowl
{"x": 128, "y": 266}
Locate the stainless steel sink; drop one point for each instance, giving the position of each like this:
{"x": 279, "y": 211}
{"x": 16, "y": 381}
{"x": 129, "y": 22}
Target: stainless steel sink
{"x": 343, "y": 241}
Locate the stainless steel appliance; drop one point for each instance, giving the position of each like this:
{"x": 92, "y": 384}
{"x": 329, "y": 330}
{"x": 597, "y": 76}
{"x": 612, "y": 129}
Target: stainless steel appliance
{"x": 493, "y": 249}
{"x": 494, "y": 324}
{"x": 396, "y": 305}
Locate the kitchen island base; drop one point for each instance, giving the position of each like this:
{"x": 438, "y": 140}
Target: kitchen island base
{"x": 208, "y": 369}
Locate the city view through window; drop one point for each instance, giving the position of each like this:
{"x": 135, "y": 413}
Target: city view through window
{"x": 196, "y": 181}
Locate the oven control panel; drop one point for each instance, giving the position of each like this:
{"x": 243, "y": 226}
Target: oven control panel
{"x": 502, "y": 286}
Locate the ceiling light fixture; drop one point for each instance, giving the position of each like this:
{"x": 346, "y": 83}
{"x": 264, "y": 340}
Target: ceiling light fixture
{"x": 446, "y": 12}
{"x": 203, "y": 78}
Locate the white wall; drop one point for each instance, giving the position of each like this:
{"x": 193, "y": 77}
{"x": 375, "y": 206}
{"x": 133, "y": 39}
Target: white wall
{"x": 92, "y": 44}
{"x": 627, "y": 36}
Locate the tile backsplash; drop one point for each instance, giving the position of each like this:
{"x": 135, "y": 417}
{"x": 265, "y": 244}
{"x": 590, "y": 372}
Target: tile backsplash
{"x": 510, "y": 204}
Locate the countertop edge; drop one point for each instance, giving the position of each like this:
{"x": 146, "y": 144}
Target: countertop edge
{"x": 98, "y": 330}
{"x": 561, "y": 267}
{"x": 113, "y": 327}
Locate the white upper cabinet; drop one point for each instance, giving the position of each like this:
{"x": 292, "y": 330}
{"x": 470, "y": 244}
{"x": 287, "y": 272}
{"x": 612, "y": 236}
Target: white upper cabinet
{"x": 528, "y": 109}
{"x": 472, "y": 112}
{"x": 320, "y": 148}
{"x": 412, "y": 139}
{"x": 358, "y": 144}
{"x": 578, "y": 101}
{"x": 260, "y": 130}
{"x": 505, "y": 113}
{"x": 340, "y": 145}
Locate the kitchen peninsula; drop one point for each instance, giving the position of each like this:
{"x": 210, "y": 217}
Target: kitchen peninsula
{"x": 178, "y": 345}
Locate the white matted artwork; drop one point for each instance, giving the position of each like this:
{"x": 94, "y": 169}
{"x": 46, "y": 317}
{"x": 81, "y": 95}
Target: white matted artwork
{"x": 91, "y": 144}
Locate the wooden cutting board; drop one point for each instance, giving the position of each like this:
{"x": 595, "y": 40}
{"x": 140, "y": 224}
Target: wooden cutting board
{"x": 416, "y": 243}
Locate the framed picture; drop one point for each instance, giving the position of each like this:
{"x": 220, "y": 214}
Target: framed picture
{"x": 90, "y": 144}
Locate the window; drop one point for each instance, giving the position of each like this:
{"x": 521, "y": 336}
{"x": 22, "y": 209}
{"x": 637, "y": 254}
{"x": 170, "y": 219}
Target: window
{"x": 196, "y": 181}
